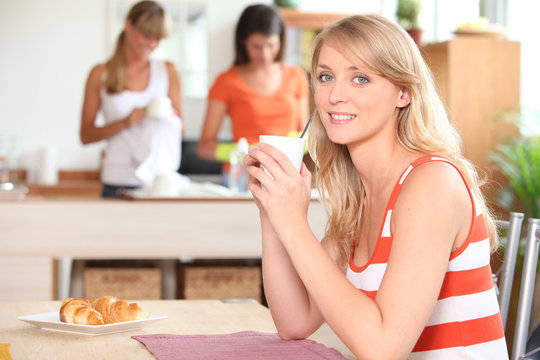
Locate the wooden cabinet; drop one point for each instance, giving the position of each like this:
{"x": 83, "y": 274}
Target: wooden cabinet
{"x": 478, "y": 78}
{"x": 309, "y": 20}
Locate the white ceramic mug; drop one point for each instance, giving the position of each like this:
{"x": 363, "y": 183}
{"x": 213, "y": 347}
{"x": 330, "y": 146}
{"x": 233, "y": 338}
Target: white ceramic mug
{"x": 293, "y": 147}
{"x": 159, "y": 108}
{"x": 166, "y": 185}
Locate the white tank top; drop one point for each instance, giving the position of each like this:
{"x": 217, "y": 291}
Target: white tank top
{"x": 118, "y": 165}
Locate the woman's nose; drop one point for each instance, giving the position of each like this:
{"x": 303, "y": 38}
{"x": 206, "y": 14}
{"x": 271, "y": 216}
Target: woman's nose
{"x": 338, "y": 93}
{"x": 267, "y": 52}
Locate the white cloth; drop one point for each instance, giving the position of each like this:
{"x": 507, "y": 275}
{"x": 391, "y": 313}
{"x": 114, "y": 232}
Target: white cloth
{"x": 119, "y": 166}
{"x": 158, "y": 152}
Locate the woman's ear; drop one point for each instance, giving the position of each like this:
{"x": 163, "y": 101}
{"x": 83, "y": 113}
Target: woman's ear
{"x": 404, "y": 97}
{"x": 127, "y": 25}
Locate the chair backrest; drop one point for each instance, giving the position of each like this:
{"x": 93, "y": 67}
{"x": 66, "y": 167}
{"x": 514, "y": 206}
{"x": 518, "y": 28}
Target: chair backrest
{"x": 505, "y": 275}
{"x": 526, "y": 291}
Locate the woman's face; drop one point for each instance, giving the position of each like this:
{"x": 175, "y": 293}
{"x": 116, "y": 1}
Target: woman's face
{"x": 262, "y": 49}
{"x": 354, "y": 104}
{"x": 140, "y": 44}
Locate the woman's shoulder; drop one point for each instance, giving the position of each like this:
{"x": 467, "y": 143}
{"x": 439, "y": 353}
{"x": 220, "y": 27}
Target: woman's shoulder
{"x": 295, "y": 76}
{"x": 227, "y": 77}
{"x": 169, "y": 65}
{"x": 96, "y": 73}
{"x": 292, "y": 69}
{"x": 433, "y": 183}
{"x": 435, "y": 199}
{"x": 231, "y": 72}
{"x": 97, "y": 68}
{"x": 434, "y": 171}
{"x": 171, "y": 68}
{"x": 223, "y": 83}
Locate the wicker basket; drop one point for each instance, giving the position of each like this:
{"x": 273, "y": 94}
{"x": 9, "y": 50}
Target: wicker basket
{"x": 124, "y": 283}
{"x": 222, "y": 282}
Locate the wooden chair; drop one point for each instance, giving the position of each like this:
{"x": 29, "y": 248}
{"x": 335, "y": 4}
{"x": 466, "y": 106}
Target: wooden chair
{"x": 526, "y": 291}
{"x": 504, "y": 277}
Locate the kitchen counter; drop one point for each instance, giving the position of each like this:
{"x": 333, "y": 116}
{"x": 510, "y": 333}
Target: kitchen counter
{"x": 36, "y": 232}
{"x": 67, "y": 188}
{"x": 73, "y": 183}
{"x": 85, "y": 184}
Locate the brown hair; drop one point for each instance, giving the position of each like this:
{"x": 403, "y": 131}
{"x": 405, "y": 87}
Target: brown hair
{"x": 262, "y": 19}
{"x": 150, "y": 19}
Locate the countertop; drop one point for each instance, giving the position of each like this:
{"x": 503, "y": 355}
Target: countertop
{"x": 80, "y": 184}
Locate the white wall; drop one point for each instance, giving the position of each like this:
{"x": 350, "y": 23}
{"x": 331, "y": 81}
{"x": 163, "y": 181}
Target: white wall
{"x": 47, "y": 49}
{"x": 523, "y": 26}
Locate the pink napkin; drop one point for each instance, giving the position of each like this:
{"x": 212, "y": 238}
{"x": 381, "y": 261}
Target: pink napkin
{"x": 241, "y": 345}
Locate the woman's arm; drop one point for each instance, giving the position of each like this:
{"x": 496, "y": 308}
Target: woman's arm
{"x": 292, "y": 309}
{"x": 175, "y": 89}
{"x": 90, "y": 133}
{"x": 424, "y": 233}
{"x": 208, "y": 142}
{"x": 295, "y": 314}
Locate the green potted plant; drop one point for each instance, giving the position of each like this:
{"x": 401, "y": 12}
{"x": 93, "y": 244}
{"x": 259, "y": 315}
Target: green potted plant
{"x": 287, "y": 3}
{"x": 518, "y": 160}
{"x": 407, "y": 16}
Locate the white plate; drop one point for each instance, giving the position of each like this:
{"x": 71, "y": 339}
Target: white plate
{"x": 51, "y": 321}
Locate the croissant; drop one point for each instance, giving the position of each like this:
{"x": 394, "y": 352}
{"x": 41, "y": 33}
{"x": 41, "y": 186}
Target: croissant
{"x": 114, "y": 310}
{"x": 100, "y": 311}
{"x": 79, "y": 311}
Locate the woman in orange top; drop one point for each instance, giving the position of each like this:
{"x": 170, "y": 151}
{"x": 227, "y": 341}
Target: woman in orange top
{"x": 260, "y": 93}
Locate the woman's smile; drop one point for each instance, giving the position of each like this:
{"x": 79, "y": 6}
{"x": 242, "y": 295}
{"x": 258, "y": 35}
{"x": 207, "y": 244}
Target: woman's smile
{"x": 340, "y": 118}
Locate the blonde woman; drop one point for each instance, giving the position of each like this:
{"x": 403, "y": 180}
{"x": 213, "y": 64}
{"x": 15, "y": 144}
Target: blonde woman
{"x": 403, "y": 271}
{"x": 122, "y": 88}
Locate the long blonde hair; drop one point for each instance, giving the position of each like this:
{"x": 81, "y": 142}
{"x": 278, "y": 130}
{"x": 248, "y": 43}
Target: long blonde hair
{"x": 150, "y": 19}
{"x": 387, "y": 50}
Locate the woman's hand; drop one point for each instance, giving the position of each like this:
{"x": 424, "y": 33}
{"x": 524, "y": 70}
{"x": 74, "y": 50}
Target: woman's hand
{"x": 283, "y": 197}
{"x": 208, "y": 141}
{"x": 136, "y": 117}
{"x": 89, "y": 132}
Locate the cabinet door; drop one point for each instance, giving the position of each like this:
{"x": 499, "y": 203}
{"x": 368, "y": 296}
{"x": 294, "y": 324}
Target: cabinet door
{"x": 26, "y": 278}
{"x": 478, "y": 79}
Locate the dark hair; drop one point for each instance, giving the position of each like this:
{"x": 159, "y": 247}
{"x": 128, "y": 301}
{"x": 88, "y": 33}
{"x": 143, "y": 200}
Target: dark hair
{"x": 262, "y": 19}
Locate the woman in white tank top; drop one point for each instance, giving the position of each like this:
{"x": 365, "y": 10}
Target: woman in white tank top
{"x": 122, "y": 88}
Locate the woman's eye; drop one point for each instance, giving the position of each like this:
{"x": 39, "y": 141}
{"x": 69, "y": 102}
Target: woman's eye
{"x": 325, "y": 77}
{"x": 360, "y": 80}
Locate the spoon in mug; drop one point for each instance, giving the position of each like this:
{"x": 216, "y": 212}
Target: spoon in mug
{"x": 306, "y": 128}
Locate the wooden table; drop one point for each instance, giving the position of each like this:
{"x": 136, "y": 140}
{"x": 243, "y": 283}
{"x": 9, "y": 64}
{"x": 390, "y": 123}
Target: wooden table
{"x": 184, "y": 317}
{"x": 34, "y": 232}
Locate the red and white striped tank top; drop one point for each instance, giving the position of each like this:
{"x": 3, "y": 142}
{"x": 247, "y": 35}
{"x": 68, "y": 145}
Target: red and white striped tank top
{"x": 466, "y": 322}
